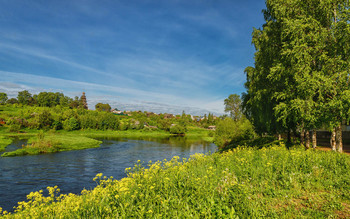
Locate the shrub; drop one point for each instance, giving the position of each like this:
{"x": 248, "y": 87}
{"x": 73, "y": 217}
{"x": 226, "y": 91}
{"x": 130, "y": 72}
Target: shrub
{"x": 15, "y": 124}
{"x": 57, "y": 125}
{"x": 107, "y": 121}
{"x": 71, "y": 124}
{"x": 88, "y": 122}
{"x": 14, "y": 128}
{"x": 228, "y": 130}
{"x": 45, "y": 120}
{"x": 178, "y": 129}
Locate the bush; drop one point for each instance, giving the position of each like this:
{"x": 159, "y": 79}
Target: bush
{"x": 71, "y": 124}
{"x": 228, "y": 130}
{"x": 88, "y": 122}
{"x": 57, "y": 125}
{"x": 14, "y": 128}
{"x": 45, "y": 120}
{"x": 15, "y": 124}
{"x": 107, "y": 121}
{"x": 177, "y": 129}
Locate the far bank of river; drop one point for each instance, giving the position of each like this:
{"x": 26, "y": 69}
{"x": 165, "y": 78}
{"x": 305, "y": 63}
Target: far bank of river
{"x": 57, "y": 141}
{"x": 73, "y": 171}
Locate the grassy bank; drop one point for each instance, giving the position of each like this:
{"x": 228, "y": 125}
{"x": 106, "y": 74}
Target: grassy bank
{"x": 52, "y": 143}
{"x": 245, "y": 182}
{"x": 4, "y": 142}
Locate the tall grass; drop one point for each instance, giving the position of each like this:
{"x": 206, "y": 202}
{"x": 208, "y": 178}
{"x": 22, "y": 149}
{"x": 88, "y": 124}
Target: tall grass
{"x": 245, "y": 182}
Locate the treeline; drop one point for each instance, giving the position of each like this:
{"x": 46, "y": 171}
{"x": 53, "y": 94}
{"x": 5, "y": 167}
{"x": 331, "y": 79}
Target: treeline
{"x": 49, "y": 110}
{"x": 59, "y": 118}
{"x": 300, "y": 80}
{"x": 44, "y": 99}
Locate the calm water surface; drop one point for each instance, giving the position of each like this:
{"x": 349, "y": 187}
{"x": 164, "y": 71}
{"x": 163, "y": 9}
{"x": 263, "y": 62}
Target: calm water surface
{"x": 73, "y": 171}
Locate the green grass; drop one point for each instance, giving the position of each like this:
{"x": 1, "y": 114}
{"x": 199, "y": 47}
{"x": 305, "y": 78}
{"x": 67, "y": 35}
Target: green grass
{"x": 271, "y": 182}
{"x": 54, "y": 142}
{"x": 4, "y": 142}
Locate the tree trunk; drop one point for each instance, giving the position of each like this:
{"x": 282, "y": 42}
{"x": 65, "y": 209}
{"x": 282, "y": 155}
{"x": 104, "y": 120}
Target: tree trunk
{"x": 279, "y": 137}
{"x": 333, "y": 140}
{"x": 289, "y": 140}
{"x": 339, "y": 139}
{"x": 314, "y": 139}
{"x": 302, "y": 137}
{"x": 307, "y": 140}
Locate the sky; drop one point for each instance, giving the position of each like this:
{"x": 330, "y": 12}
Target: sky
{"x": 149, "y": 55}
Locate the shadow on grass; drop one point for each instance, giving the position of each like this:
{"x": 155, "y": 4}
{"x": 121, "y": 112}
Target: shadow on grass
{"x": 260, "y": 142}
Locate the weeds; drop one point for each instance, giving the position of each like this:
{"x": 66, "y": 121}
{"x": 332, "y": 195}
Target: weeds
{"x": 249, "y": 183}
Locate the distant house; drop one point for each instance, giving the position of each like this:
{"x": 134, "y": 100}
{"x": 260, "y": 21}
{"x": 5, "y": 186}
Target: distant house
{"x": 116, "y": 111}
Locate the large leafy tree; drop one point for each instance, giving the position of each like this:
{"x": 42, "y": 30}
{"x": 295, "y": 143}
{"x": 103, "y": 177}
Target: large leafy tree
{"x": 259, "y": 101}
{"x": 24, "y": 97}
{"x": 301, "y": 66}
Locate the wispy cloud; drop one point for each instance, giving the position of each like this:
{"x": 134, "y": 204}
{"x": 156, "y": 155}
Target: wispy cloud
{"x": 165, "y": 54}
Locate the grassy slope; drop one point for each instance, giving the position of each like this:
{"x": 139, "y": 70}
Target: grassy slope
{"x": 249, "y": 183}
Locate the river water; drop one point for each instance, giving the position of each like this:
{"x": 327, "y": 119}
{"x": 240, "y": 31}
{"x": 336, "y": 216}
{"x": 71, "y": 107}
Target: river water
{"x": 73, "y": 171}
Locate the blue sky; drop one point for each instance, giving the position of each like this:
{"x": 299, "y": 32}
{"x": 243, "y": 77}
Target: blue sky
{"x": 149, "y": 55}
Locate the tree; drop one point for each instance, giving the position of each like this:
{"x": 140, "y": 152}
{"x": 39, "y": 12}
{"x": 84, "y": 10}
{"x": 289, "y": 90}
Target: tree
{"x": 24, "y": 97}
{"x": 3, "y": 98}
{"x": 12, "y": 101}
{"x": 103, "y": 107}
{"x": 233, "y": 106}
{"x": 301, "y": 67}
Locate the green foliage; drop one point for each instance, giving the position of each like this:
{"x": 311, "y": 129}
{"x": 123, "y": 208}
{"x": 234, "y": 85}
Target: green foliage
{"x": 228, "y": 130}
{"x": 88, "y": 121}
{"x": 51, "y": 143}
{"x": 244, "y": 183}
{"x": 59, "y": 117}
{"x": 3, "y": 98}
{"x": 71, "y": 124}
{"x": 24, "y": 97}
{"x": 233, "y": 106}
{"x": 45, "y": 120}
{"x": 50, "y": 99}
{"x": 178, "y": 130}
{"x": 103, "y": 107}
{"x": 4, "y": 142}
{"x": 300, "y": 78}
{"x": 15, "y": 124}
{"x": 12, "y": 101}
{"x": 40, "y": 135}
{"x": 107, "y": 121}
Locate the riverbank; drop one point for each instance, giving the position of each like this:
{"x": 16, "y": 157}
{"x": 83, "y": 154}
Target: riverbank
{"x": 244, "y": 182}
{"x": 57, "y": 141}
{"x": 4, "y": 142}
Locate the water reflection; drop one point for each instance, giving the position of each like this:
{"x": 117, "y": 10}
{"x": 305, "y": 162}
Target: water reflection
{"x": 72, "y": 171}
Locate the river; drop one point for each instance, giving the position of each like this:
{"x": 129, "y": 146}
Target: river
{"x": 73, "y": 171}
